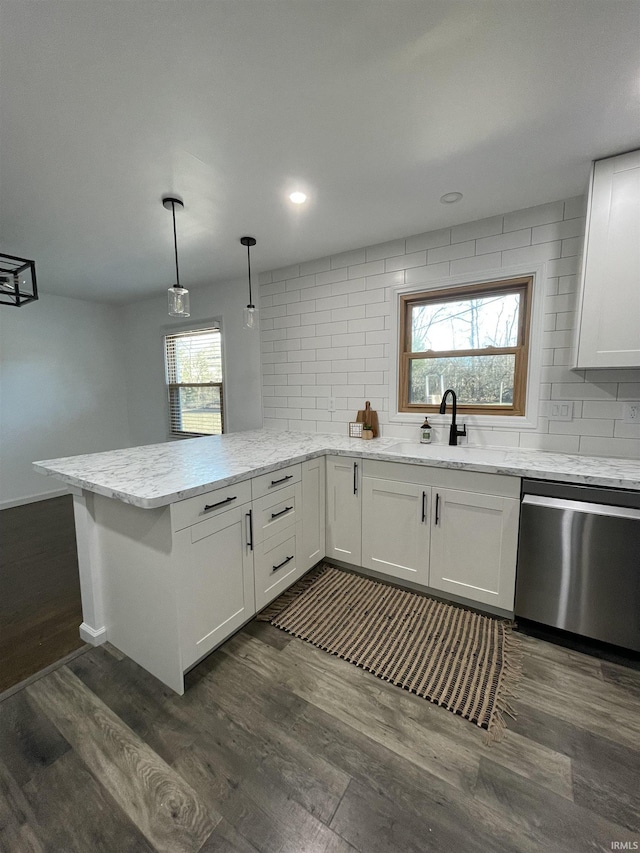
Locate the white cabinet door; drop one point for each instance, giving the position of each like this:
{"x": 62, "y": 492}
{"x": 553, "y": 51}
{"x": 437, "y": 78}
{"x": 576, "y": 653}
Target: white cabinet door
{"x": 312, "y": 548}
{"x": 474, "y": 540}
{"x": 395, "y": 529}
{"x": 609, "y": 323}
{"x": 215, "y": 582}
{"x": 276, "y": 566}
{"x": 344, "y": 509}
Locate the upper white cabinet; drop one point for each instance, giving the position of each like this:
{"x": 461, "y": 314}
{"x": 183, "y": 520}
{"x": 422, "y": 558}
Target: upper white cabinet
{"x": 608, "y": 328}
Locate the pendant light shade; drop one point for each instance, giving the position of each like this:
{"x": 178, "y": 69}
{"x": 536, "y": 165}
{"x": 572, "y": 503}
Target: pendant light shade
{"x": 17, "y": 281}
{"x": 178, "y": 296}
{"x": 250, "y": 312}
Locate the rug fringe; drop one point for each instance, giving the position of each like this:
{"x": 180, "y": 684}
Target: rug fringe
{"x": 271, "y": 611}
{"x": 508, "y": 686}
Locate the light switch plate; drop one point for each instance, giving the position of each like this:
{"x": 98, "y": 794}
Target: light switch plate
{"x": 331, "y": 404}
{"x": 631, "y": 413}
{"x": 561, "y": 410}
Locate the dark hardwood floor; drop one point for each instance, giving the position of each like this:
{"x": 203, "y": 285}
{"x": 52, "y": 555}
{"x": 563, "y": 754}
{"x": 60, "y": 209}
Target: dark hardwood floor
{"x": 278, "y": 747}
{"x": 40, "y": 609}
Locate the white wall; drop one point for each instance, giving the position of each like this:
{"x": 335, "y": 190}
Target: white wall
{"x": 144, "y": 324}
{"x": 62, "y": 389}
{"x": 326, "y": 331}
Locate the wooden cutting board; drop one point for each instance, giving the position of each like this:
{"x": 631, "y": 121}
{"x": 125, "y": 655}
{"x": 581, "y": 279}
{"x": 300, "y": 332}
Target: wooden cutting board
{"x": 369, "y": 416}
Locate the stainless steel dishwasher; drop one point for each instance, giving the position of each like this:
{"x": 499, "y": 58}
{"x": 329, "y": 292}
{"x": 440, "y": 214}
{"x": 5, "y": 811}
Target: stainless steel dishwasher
{"x": 579, "y": 560}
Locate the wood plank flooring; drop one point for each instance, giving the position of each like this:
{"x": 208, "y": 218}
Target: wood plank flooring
{"x": 40, "y": 608}
{"x": 278, "y": 747}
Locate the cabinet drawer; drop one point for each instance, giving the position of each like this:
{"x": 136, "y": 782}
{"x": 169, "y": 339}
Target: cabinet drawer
{"x": 265, "y": 484}
{"x": 276, "y": 512}
{"x": 276, "y": 566}
{"x": 194, "y": 510}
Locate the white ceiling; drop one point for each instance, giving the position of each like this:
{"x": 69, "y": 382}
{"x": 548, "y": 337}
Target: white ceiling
{"x": 374, "y": 107}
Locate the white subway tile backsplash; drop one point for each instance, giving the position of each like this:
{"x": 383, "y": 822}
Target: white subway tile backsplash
{"x": 500, "y": 242}
{"x": 423, "y": 275}
{"x": 450, "y": 253}
{"x": 331, "y": 276}
{"x": 428, "y": 240}
{"x": 315, "y": 317}
{"x": 596, "y": 446}
{"x": 531, "y": 216}
{"x": 366, "y": 297}
{"x": 301, "y": 283}
{"x": 369, "y": 324}
{"x": 403, "y": 262}
{"x": 558, "y": 231}
{"x": 285, "y": 273}
{"x": 478, "y": 263}
{"x": 370, "y": 268}
{"x": 313, "y": 267}
{"x": 575, "y": 208}
{"x": 348, "y": 259}
{"x": 325, "y": 331}
{"x": 476, "y": 230}
{"x": 351, "y": 286}
{"x": 533, "y": 255}
{"x": 385, "y": 250}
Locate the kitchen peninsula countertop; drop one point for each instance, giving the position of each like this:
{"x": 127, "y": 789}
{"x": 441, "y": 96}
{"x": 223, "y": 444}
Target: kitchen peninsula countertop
{"x": 160, "y": 474}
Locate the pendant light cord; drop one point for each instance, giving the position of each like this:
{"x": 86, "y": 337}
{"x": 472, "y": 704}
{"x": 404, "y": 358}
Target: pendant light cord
{"x": 175, "y": 243}
{"x": 250, "y": 305}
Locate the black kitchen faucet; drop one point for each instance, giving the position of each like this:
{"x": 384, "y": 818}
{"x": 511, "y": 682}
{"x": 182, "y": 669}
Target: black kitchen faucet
{"x": 454, "y": 432}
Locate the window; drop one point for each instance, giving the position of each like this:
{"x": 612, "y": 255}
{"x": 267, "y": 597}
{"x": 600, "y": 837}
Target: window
{"x": 473, "y": 339}
{"x": 194, "y": 382}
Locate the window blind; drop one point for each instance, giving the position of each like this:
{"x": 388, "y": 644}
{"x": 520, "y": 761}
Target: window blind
{"x": 194, "y": 382}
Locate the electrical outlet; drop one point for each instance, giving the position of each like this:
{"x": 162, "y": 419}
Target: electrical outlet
{"x": 331, "y": 404}
{"x": 561, "y": 410}
{"x": 631, "y": 413}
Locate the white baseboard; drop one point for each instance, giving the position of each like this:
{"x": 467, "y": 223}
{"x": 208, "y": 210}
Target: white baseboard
{"x": 93, "y": 636}
{"x": 32, "y": 499}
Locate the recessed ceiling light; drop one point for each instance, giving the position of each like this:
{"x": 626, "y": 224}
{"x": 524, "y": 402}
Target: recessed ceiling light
{"x": 298, "y": 198}
{"x": 450, "y": 198}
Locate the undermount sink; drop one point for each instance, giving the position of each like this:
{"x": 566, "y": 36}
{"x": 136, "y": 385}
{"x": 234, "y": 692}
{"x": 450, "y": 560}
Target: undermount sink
{"x": 464, "y": 453}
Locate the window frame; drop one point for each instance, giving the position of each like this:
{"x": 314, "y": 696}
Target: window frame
{"x": 172, "y": 387}
{"x": 516, "y": 284}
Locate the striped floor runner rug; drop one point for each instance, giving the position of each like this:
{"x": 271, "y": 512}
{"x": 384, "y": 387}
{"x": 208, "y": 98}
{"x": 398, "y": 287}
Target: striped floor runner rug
{"x": 461, "y": 660}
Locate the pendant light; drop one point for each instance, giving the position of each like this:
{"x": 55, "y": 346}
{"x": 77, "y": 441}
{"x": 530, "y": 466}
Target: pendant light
{"x": 250, "y": 312}
{"x": 178, "y": 296}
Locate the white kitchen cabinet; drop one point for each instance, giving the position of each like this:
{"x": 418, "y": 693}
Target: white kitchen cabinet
{"x": 474, "y": 541}
{"x": 344, "y": 509}
{"x": 276, "y": 565}
{"x": 449, "y": 531}
{"x": 312, "y": 545}
{"x": 215, "y": 588}
{"x": 608, "y": 327}
{"x": 396, "y": 529}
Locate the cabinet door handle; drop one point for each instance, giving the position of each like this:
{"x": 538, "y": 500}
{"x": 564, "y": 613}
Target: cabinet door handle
{"x": 355, "y": 478}
{"x": 283, "y": 563}
{"x": 424, "y": 507}
{"x": 249, "y": 515}
{"x": 282, "y": 480}
{"x": 209, "y": 507}
{"x": 282, "y": 512}
{"x": 437, "y": 508}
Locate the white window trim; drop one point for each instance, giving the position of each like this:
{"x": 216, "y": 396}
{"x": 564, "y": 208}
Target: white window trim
{"x": 516, "y": 422}
{"x": 174, "y": 329}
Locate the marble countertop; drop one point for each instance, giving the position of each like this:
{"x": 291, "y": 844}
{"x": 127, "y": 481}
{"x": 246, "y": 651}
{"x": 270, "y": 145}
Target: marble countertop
{"x": 159, "y": 474}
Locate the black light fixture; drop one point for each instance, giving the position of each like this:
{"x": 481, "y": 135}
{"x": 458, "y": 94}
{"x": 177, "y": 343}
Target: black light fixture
{"x": 250, "y": 312}
{"x": 17, "y": 281}
{"x": 178, "y": 296}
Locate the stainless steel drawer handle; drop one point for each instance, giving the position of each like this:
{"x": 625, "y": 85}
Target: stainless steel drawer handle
{"x": 282, "y": 512}
{"x": 209, "y": 507}
{"x": 283, "y": 563}
{"x": 283, "y": 480}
